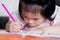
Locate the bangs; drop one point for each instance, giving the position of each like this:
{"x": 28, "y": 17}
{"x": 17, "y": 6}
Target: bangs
{"x": 31, "y": 8}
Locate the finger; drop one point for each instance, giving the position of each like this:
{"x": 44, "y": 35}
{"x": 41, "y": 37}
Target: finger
{"x": 17, "y": 26}
{"x": 8, "y": 25}
{"x": 13, "y": 29}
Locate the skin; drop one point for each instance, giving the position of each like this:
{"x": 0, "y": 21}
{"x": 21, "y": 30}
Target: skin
{"x": 33, "y": 19}
{"x": 36, "y": 19}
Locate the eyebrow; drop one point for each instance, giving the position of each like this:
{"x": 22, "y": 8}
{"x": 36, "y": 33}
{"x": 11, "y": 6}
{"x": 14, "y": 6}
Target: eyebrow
{"x": 30, "y": 18}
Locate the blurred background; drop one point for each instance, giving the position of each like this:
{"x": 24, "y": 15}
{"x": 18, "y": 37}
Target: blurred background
{"x": 12, "y": 6}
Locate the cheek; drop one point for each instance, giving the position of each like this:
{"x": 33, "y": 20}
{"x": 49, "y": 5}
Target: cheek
{"x": 25, "y": 19}
{"x": 39, "y": 21}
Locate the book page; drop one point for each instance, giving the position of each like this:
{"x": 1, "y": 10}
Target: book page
{"x": 24, "y": 34}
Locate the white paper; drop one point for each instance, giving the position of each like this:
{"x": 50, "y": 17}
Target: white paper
{"x": 36, "y": 35}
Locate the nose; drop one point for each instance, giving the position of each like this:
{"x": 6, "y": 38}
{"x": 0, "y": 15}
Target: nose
{"x": 30, "y": 21}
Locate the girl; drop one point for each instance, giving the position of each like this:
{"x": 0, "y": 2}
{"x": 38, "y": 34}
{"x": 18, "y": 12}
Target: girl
{"x": 35, "y": 16}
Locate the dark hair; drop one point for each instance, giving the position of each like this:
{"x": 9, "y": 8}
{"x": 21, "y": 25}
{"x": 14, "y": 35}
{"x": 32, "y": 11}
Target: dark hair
{"x": 48, "y": 7}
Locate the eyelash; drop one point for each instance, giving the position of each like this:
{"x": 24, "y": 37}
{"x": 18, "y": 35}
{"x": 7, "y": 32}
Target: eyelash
{"x": 35, "y": 19}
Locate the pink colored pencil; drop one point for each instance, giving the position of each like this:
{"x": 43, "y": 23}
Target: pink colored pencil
{"x": 9, "y": 13}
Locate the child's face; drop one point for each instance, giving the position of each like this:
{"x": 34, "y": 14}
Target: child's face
{"x": 33, "y": 19}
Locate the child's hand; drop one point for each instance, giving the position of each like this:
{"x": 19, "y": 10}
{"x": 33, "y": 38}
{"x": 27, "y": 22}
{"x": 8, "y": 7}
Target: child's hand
{"x": 13, "y": 27}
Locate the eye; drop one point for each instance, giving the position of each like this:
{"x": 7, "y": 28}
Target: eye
{"x": 36, "y": 19}
{"x": 25, "y": 17}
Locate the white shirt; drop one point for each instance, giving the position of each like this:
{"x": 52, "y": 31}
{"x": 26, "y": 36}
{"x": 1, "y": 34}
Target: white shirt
{"x": 57, "y": 13}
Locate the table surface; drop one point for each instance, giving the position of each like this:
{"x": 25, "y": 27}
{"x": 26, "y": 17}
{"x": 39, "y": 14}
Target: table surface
{"x": 20, "y": 37}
